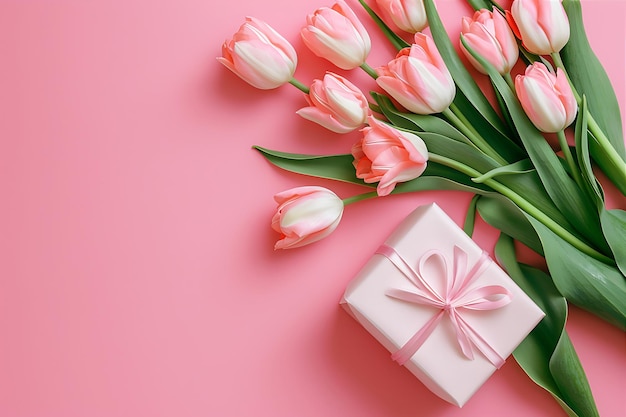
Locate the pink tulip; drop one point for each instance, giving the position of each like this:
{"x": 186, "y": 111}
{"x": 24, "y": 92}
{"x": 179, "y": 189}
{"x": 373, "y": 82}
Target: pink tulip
{"x": 547, "y": 99}
{"x": 305, "y": 215}
{"x": 337, "y": 35}
{"x": 259, "y": 55}
{"x": 336, "y": 104}
{"x": 407, "y": 15}
{"x": 542, "y": 25}
{"x": 388, "y": 156}
{"x": 489, "y": 35}
{"x": 418, "y": 78}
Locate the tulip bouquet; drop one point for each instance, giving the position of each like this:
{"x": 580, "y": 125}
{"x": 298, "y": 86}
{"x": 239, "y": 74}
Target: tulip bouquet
{"x": 432, "y": 126}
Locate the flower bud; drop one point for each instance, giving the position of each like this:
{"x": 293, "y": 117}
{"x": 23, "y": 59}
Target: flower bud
{"x": 542, "y": 25}
{"x": 489, "y": 35}
{"x": 336, "y": 104}
{"x": 337, "y": 35}
{"x": 388, "y": 156}
{"x": 418, "y": 78}
{"x": 259, "y": 55}
{"x": 546, "y": 98}
{"x": 407, "y": 15}
{"x": 305, "y": 215}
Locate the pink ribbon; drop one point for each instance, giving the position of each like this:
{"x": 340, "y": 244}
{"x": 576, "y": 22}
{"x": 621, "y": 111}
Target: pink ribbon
{"x": 457, "y": 295}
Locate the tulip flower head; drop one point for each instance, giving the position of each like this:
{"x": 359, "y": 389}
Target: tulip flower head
{"x": 542, "y": 25}
{"x": 489, "y": 35}
{"x": 336, "y": 104}
{"x": 418, "y": 78}
{"x": 259, "y": 55}
{"x": 388, "y": 156}
{"x": 305, "y": 215}
{"x": 407, "y": 15}
{"x": 546, "y": 98}
{"x": 336, "y": 34}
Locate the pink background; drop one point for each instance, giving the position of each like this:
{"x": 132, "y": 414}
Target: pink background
{"x": 137, "y": 275}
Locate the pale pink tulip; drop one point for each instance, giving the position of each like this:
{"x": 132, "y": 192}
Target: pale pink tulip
{"x": 418, "y": 78}
{"x": 407, "y": 15}
{"x": 259, "y": 55}
{"x": 336, "y": 34}
{"x": 489, "y": 35}
{"x": 336, "y": 104}
{"x": 542, "y": 25}
{"x": 305, "y": 215}
{"x": 547, "y": 99}
{"x": 388, "y": 156}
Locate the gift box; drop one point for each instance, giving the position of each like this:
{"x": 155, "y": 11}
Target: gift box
{"x": 440, "y": 305}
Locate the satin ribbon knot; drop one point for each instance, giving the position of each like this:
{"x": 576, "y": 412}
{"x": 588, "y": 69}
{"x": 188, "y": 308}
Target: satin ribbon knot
{"x": 457, "y": 295}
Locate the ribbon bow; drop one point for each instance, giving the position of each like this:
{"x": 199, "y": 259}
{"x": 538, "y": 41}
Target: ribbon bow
{"x": 457, "y": 295}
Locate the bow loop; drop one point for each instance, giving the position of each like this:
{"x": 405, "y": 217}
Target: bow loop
{"x": 458, "y": 294}
{"x": 489, "y": 297}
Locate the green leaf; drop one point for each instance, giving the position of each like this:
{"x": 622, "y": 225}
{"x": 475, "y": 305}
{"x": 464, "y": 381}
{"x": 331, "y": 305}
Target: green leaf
{"x": 570, "y": 377}
{"x": 485, "y": 4}
{"x": 461, "y": 76}
{"x": 417, "y": 122}
{"x": 614, "y": 228}
{"x": 470, "y": 217}
{"x": 395, "y": 40}
{"x": 501, "y": 213}
{"x": 458, "y": 151}
{"x": 336, "y": 167}
{"x": 547, "y": 354}
{"x": 433, "y": 183}
{"x": 505, "y": 114}
{"x": 519, "y": 167}
{"x": 441, "y": 177}
{"x": 582, "y": 155}
{"x": 582, "y": 279}
{"x": 613, "y": 222}
{"x": 590, "y": 78}
{"x": 480, "y": 4}
{"x": 562, "y": 189}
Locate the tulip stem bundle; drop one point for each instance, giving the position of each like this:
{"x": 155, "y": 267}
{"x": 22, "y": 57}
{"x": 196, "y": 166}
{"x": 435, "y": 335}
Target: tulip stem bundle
{"x": 458, "y": 119}
{"x": 524, "y": 204}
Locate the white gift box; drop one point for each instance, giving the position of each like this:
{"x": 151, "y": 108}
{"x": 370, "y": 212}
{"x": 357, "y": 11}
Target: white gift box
{"x": 382, "y": 299}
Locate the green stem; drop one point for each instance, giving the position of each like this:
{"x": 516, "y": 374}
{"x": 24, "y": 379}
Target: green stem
{"x": 509, "y": 80}
{"x": 569, "y": 158}
{"x": 456, "y": 117}
{"x": 523, "y": 204}
{"x": 370, "y": 71}
{"x": 299, "y": 85}
{"x": 359, "y": 197}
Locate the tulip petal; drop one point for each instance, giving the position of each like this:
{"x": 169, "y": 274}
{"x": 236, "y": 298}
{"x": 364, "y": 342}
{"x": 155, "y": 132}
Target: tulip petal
{"x": 324, "y": 119}
{"x": 402, "y": 172}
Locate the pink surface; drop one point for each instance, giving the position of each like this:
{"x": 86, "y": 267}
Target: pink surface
{"x": 137, "y": 276}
